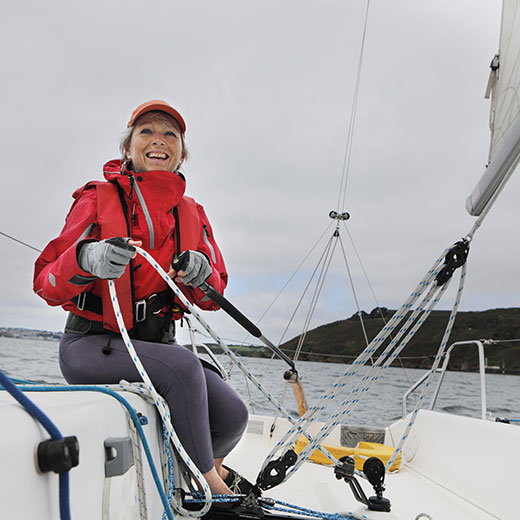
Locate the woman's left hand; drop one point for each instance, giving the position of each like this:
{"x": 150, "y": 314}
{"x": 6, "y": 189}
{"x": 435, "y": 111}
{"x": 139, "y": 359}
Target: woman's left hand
{"x": 193, "y": 268}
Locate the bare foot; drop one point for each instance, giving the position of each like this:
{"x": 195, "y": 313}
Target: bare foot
{"x": 221, "y": 470}
{"x": 216, "y": 483}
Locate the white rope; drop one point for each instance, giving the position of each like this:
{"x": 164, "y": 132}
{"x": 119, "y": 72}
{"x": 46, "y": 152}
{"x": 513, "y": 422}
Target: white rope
{"x": 414, "y": 321}
{"x": 163, "y": 410}
{"x": 139, "y": 474}
{"x": 369, "y": 379}
{"x": 289, "y": 438}
{"x": 223, "y": 346}
{"x": 438, "y": 357}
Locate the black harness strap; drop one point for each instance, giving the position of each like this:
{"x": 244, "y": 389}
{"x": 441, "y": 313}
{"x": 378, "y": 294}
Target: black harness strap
{"x": 91, "y": 302}
{"x": 175, "y": 212}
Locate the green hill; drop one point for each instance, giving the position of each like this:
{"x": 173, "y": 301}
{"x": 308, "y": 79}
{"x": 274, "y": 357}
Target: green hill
{"x": 343, "y": 340}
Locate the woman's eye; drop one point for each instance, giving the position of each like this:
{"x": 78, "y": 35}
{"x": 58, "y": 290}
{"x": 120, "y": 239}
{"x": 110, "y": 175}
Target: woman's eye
{"x": 146, "y": 131}
{"x": 170, "y": 134}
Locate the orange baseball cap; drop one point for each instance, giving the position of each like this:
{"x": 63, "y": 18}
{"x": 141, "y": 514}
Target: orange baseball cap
{"x": 157, "y": 104}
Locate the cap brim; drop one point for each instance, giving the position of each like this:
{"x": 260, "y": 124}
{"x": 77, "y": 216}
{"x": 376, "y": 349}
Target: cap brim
{"x": 161, "y": 108}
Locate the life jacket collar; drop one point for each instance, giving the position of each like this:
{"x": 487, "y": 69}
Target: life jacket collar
{"x": 161, "y": 189}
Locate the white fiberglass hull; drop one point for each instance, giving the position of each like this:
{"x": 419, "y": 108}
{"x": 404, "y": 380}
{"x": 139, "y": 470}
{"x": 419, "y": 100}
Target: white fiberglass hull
{"x": 453, "y": 467}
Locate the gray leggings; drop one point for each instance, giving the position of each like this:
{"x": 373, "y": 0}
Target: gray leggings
{"x": 208, "y": 415}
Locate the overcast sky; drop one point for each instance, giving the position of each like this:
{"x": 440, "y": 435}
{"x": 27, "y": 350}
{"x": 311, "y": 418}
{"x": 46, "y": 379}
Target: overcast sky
{"x": 266, "y": 89}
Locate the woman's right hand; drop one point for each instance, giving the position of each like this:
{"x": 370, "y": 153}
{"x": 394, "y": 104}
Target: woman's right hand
{"x": 108, "y": 258}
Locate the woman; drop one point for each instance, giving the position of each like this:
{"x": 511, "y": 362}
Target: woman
{"x": 143, "y": 199}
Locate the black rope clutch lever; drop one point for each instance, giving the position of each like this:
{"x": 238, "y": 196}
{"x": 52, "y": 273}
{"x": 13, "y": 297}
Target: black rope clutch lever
{"x": 227, "y": 306}
{"x": 290, "y": 375}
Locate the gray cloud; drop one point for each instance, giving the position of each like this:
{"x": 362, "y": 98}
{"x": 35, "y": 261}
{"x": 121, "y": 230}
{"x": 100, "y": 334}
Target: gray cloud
{"x": 266, "y": 89}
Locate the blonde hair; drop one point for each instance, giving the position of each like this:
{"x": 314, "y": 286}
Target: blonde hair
{"x": 157, "y": 115}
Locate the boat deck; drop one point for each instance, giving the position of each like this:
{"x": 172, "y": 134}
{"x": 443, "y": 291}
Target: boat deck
{"x": 440, "y": 483}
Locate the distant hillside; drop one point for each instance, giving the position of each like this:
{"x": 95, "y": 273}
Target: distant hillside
{"x": 343, "y": 340}
{"x": 17, "y": 332}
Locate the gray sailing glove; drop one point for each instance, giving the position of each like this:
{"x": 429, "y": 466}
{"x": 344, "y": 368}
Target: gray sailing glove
{"x": 107, "y": 258}
{"x": 195, "y": 265}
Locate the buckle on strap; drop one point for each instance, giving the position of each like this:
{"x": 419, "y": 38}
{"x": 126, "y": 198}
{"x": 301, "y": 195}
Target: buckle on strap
{"x": 140, "y": 311}
{"x": 82, "y": 298}
{"x": 155, "y": 304}
{"x": 152, "y": 305}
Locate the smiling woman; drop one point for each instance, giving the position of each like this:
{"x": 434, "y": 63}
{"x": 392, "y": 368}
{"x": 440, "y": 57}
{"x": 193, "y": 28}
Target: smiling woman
{"x": 154, "y": 140}
{"x": 142, "y": 203}
{"x": 155, "y": 144}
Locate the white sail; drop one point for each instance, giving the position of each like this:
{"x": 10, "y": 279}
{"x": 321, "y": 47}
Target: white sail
{"x": 504, "y": 88}
{"x": 505, "y": 80}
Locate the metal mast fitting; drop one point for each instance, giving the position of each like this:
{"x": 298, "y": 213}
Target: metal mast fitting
{"x": 339, "y": 216}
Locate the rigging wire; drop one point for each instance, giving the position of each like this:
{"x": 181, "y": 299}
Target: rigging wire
{"x": 327, "y": 248}
{"x": 290, "y": 278}
{"x": 346, "y": 161}
{"x": 314, "y": 301}
{"x": 295, "y": 357}
{"x": 385, "y": 412}
{"x": 342, "y": 192}
{"x": 347, "y": 356}
{"x": 323, "y": 257}
{"x": 378, "y": 306}
{"x": 354, "y": 293}
{"x": 342, "y": 199}
{"x": 20, "y": 242}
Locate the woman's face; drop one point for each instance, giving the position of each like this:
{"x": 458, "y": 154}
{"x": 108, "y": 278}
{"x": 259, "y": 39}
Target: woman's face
{"x": 156, "y": 144}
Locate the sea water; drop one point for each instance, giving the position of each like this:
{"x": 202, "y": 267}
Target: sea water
{"x": 37, "y": 360}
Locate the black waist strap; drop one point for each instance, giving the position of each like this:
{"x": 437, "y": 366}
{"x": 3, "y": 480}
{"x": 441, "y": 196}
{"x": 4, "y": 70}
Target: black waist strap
{"x": 156, "y": 329}
{"x": 87, "y": 301}
{"x": 142, "y": 308}
{"x": 81, "y": 325}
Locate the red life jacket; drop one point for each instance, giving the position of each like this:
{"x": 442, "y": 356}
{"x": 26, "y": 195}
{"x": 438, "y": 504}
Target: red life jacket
{"x": 151, "y": 208}
{"x": 112, "y": 222}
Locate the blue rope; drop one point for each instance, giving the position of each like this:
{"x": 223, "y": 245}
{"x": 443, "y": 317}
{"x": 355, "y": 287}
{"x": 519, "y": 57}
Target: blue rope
{"x": 294, "y": 509}
{"x": 288, "y": 508}
{"x": 52, "y": 430}
{"x": 166, "y": 439}
{"x": 197, "y": 497}
{"x": 133, "y": 415}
